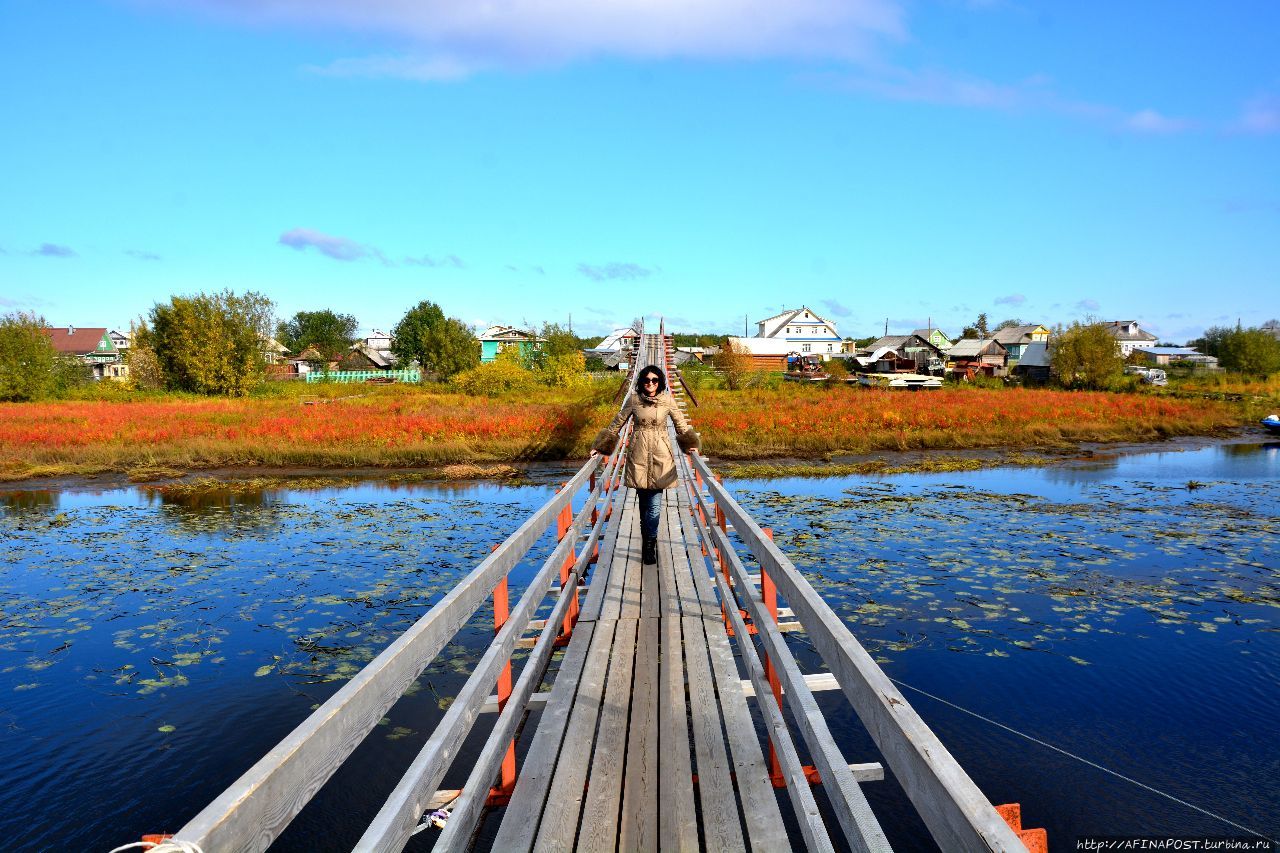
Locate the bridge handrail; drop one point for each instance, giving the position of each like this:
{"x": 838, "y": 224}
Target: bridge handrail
{"x": 391, "y": 829}
{"x": 257, "y": 807}
{"x": 957, "y": 814}
{"x": 853, "y": 812}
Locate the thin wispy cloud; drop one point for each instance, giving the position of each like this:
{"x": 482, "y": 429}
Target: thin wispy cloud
{"x": 1014, "y": 299}
{"x": 1087, "y": 305}
{"x": 24, "y": 301}
{"x": 449, "y": 40}
{"x": 337, "y": 248}
{"x": 614, "y": 271}
{"x": 1150, "y": 121}
{"x": 139, "y": 255}
{"x": 836, "y": 308}
{"x": 436, "y": 262}
{"x": 1261, "y": 115}
{"x": 54, "y": 250}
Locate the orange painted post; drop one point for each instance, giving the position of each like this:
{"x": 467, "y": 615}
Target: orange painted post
{"x": 564, "y": 525}
{"x": 769, "y": 592}
{"x": 502, "y": 612}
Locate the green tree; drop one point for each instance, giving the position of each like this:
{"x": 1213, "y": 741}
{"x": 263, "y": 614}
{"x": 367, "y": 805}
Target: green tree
{"x": 1008, "y": 324}
{"x": 28, "y": 361}
{"x": 1085, "y": 355}
{"x": 978, "y": 330}
{"x": 440, "y": 345}
{"x": 1252, "y": 351}
{"x": 734, "y": 363}
{"x": 1210, "y": 343}
{"x": 210, "y": 343}
{"x": 332, "y": 334}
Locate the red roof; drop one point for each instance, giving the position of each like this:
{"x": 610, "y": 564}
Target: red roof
{"x": 73, "y": 340}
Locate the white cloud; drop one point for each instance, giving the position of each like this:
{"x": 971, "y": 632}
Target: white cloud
{"x": 1014, "y": 299}
{"x": 1260, "y": 115}
{"x": 1150, "y": 121}
{"x": 329, "y": 245}
{"x": 448, "y": 40}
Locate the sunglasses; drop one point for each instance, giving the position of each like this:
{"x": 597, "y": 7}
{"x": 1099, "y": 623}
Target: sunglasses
{"x": 651, "y": 380}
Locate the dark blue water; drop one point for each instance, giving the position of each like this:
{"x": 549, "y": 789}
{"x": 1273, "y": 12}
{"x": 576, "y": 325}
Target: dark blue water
{"x": 1123, "y": 610}
{"x": 151, "y": 648}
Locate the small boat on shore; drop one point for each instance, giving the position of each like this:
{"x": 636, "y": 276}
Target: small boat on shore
{"x": 912, "y": 381}
{"x": 1272, "y": 423}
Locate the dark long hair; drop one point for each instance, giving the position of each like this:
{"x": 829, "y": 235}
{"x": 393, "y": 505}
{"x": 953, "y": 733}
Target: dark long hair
{"x": 651, "y": 370}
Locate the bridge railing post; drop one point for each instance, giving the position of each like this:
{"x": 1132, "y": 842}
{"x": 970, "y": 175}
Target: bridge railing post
{"x": 501, "y": 613}
{"x": 564, "y": 524}
{"x": 769, "y": 592}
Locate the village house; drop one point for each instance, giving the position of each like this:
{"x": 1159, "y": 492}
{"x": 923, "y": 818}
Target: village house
{"x": 499, "y": 339}
{"x": 122, "y": 340}
{"x": 900, "y": 354}
{"x": 1129, "y": 336}
{"x": 971, "y": 357}
{"x": 1015, "y": 339}
{"x": 616, "y": 349}
{"x": 937, "y": 337}
{"x": 91, "y": 346}
{"x": 799, "y": 330}
{"x": 1163, "y": 356}
{"x": 361, "y": 356}
{"x": 1033, "y": 365}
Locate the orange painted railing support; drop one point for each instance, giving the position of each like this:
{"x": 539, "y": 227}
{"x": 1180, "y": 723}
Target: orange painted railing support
{"x": 564, "y": 525}
{"x": 501, "y": 613}
{"x": 769, "y": 592}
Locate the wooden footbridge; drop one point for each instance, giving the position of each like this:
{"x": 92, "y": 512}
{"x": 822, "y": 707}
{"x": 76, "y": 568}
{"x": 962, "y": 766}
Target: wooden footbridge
{"x": 677, "y": 719}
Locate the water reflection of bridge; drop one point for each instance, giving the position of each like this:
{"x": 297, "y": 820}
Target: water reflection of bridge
{"x": 671, "y": 722}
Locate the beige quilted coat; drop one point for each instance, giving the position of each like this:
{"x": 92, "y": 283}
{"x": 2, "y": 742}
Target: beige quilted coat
{"x": 650, "y": 464}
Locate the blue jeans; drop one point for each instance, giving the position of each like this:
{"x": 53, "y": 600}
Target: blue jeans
{"x": 650, "y": 510}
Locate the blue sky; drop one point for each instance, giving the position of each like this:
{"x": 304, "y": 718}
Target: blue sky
{"x": 707, "y": 160}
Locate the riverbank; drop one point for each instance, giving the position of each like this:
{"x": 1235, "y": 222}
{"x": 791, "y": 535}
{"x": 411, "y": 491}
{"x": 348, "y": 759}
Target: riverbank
{"x": 406, "y": 428}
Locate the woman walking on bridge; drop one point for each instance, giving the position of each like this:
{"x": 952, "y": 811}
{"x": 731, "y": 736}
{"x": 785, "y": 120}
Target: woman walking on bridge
{"x": 651, "y": 468}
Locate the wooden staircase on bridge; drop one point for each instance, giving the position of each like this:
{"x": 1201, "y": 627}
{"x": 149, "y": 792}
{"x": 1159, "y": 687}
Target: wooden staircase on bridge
{"x": 650, "y": 736}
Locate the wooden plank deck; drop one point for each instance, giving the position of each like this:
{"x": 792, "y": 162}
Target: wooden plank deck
{"x": 647, "y": 700}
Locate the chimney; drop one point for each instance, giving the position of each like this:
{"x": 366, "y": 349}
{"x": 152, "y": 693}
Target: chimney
{"x": 71, "y": 330}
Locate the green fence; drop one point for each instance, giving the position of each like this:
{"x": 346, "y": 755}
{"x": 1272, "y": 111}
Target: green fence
{"x": 363, "y": 375}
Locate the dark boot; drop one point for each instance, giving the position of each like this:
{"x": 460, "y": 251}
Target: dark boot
{"x": 649, "y": 551}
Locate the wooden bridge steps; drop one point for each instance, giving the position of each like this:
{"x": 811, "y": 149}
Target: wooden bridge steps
{"x": 646, "y": 742}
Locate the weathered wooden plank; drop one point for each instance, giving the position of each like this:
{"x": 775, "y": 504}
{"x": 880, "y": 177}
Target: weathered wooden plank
{"x": 957, "y": 814}
{"x": 679, "y": 556}
{"x": 678, "y": 817}
{"x": 718, "y": 804}
{"x": 861, "y": 828}
{"x": 650, "y": 594}
{"x": 668, "y": 588}
{"x": 815, "y": 681}
{"x": 639, "y": 830}
{"x": 626, "y": 550}
{"x": 609, "y": 542}
{"x": 520, "y": 820}
{"x": 599, "y": 827}
{"x": 559, "y": 824}
{"x": 630, "y": 604}
{"x": 456, "y": 835}
{"x": 859, "y": 824}
{"x": 765, "y": 831}
{"x": 812, "y": 829}
{"x": 257, "y": 807}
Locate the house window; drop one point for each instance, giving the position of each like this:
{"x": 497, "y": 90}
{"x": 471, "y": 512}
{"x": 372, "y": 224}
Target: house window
{"x": 828, "y": 347}
{"x": 804, "y": 348}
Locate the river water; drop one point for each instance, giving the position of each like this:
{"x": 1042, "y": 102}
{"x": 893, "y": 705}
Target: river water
{"x": 1123, "y": 610}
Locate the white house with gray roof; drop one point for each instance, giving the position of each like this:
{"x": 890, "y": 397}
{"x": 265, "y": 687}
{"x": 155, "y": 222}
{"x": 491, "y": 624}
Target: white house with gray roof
{"x": 799, "y": 330}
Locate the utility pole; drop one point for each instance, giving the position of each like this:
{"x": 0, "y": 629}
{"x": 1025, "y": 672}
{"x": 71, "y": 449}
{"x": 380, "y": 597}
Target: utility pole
{"x": 744, "y": 325}
{"x": 886, "y": 327}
